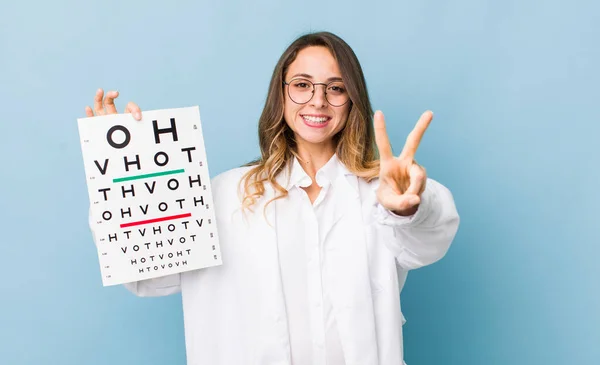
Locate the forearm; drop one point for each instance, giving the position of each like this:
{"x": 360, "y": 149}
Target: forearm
{"x": 424, "y": 237}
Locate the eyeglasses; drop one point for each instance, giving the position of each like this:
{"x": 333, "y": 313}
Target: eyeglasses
{"x": 301, "y": 91}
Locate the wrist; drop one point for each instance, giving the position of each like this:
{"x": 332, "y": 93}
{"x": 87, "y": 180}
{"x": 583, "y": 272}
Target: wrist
{"x": 406, "y": 212}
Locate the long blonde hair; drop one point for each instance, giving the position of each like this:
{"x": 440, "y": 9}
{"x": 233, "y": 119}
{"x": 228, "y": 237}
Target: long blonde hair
{"x": 355, "y": 143}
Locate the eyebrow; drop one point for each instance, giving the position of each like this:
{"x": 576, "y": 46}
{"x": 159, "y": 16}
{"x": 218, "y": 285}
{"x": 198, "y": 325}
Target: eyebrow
{"x": 307, "y": 76}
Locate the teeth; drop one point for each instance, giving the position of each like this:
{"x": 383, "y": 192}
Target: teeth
{"x": 314, "y": 119}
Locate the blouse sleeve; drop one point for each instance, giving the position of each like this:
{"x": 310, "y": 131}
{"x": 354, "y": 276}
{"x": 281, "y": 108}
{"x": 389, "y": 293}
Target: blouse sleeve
{"x": 423, "y": 238}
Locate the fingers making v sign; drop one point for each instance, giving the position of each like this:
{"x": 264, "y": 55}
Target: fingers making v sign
{"x": 401, "y": 179}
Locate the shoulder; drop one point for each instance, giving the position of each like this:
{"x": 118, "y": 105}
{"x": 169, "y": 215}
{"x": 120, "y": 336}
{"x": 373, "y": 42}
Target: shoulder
{"x": 231, "y": 176}
{"x": 228, "y": 182}
{"x": 227, "y": 194}
{"x": 228, "y": 191}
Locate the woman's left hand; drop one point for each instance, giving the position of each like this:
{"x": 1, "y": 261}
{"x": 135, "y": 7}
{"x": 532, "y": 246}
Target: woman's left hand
{"x": 401, "y": 179}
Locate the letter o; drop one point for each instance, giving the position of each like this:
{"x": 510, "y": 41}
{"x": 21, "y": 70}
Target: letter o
{"x": 104, "y": 215}
{"x": 109, "y": 137}
{"x": 163, "y": 204}
{"x": 176, "y": 182}
{"x": 161, "y": 154}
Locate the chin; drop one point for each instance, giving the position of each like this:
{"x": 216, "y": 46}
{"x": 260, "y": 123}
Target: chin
{"x": 313, "y": 138}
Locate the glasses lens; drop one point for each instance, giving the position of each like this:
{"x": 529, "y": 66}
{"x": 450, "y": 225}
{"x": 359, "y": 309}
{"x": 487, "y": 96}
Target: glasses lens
{"x": 337, "y": 94}
{"x": 300, "y": 90}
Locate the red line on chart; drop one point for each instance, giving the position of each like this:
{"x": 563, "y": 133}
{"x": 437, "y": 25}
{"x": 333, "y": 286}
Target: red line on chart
{"x": 169, "y": 218}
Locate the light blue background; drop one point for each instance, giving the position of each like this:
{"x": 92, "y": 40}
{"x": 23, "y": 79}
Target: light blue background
{"x": 514, "y": 87}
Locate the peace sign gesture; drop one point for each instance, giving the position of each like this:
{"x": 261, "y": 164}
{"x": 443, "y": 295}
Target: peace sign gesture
{"x": 401, "y": 179}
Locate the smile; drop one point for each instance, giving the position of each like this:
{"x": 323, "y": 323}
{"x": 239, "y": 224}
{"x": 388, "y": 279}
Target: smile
{"x": 317, "y": 121}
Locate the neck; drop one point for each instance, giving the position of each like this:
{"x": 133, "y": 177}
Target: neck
{"x": 313, "y": 157}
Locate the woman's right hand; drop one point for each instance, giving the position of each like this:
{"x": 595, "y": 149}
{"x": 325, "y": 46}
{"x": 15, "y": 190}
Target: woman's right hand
{"x": 106, "y": 105}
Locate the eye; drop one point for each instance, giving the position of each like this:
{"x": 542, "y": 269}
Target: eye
{"x": 337, "y": 89}
{"x": 302, "y": 84}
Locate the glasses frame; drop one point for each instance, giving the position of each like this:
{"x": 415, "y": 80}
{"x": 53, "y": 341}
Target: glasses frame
{"x": 314, "y": 84}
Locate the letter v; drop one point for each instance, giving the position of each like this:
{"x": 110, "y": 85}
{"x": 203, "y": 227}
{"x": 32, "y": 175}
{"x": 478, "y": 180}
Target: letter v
{"x": 102, "y": 169}
{"x": 148, "y": 187}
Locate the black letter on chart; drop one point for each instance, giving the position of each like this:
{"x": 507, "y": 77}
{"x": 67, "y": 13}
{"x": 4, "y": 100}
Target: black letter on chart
{"x": 189, "y": 152}
{"x": 135, "y": 162}
{"x": 158, "y": 132}
{"x": 176, "y": 185}
{"x": 103, "y": 168}
{"x": 118, "y": 145}
{"x": 132, "y": 191}
{"x": 103, "y": 191}
{"x": 107, "y": 215}
{"x": 124, "y": 212}
{"x": 164, "y": 155}
{"x": 193, "y": 181}
{"x": 148, "y": 187}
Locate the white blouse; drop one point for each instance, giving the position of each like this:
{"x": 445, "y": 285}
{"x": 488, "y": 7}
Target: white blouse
{"x": 302, "y": 230}
{"x": 303, "y": 284}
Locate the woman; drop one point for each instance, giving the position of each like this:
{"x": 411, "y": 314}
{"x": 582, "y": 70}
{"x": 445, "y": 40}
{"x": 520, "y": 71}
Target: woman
{"x": 318, "y": 234}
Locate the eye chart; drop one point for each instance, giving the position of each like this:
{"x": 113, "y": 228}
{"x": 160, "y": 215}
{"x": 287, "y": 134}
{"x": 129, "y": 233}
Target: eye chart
{"x": 151, "y": 208}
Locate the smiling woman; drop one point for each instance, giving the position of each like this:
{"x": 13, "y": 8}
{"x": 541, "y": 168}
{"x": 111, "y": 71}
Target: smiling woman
{"x": 318, "y": 234}
{"x": 315, "y": 116}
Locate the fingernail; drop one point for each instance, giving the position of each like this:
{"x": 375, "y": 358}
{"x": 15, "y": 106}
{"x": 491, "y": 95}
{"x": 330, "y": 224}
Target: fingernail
{"x": 415, "y": 200}
{"x": 138, "y": 116}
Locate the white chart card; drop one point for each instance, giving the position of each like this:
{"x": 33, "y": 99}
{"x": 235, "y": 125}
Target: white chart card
{"x": 151, "y": 206}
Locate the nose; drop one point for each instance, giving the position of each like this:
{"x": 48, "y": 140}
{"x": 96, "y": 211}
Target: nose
{"x": 319, "y": 99}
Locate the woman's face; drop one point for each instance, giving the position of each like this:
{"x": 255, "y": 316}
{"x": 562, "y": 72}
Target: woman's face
{"x": 317, "y": 121}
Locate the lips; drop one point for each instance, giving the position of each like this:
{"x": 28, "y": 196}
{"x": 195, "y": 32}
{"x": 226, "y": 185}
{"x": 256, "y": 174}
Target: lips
{"x": 315, "y": 120}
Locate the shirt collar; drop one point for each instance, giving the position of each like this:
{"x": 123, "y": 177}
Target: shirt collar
{"x": 327, "y": 174}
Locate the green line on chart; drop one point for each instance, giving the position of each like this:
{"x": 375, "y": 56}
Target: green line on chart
{"x": 146, "y": 176}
